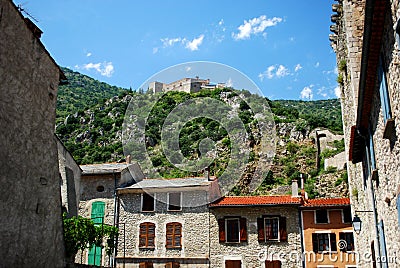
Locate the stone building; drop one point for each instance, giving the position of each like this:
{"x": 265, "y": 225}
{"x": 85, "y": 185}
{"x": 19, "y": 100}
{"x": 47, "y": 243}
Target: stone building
{"x": 70, "y": 174}
{"x": 164, "y": 223}
{"x": 366, "y": 41}
{"x": 255, "y": 231}
{"x": 328, "y": 238}
{"x": 98, "y": 200}
{"x": 188, "y": 85}
{"x": 30, "y": 222}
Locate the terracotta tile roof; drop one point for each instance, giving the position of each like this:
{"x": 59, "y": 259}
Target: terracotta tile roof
{"x": 233, "y": 201}
{"x": 326, "y": 202}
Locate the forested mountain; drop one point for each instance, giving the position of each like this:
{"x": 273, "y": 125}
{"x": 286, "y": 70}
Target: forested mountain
{"x": 90, "y": 115}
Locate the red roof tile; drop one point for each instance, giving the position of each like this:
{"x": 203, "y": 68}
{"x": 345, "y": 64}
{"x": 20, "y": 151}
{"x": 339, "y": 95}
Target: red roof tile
{"x": 326, "y": 202}
{"x": 232, "y": 201}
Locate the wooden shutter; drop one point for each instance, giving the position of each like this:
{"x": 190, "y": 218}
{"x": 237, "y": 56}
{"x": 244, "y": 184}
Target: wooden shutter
{"x": 273, "y": 264}
{"x": 333, "y": 241}
{"x": 315, "y": 242}
{"x": 282, "y": 229}
{"x": 243, "y": 230}
{"x": 173, "y": 235}
{"x": 146, "y": 234}
{"x": 221, "y": 227}
{"x": 146, "y": 265}
{"x": 172, "y": 265}
{"x": 260, "y": 228}
{"x": 233, "y": 263}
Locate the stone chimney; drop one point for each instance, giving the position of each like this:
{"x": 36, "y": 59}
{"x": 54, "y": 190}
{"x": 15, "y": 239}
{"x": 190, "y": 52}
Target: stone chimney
{"x": 295, "y": 188}
{"x": 207, "y": 173}
{"x": 128, "y": 159}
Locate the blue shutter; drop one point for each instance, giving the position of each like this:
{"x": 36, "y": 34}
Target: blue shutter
{"x": 384, "y": 94}
{"x": 382, "y": 245}
{"x": 372, "y": 152}
{"x": 398, "y": 210}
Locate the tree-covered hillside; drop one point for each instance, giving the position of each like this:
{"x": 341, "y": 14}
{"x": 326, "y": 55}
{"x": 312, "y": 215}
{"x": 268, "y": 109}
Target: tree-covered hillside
{"x": 90, "y": 116}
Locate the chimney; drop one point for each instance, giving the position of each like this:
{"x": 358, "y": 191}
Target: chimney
{"x": 295, "y": 188}
{"x": 302, "y": 191}
{"x": 128, "y": 159}
{"x": 207, "y": 173}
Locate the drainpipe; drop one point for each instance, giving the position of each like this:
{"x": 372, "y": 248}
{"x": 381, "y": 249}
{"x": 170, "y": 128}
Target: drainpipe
{"x": 115, "y": 216}
{"x": 378, "y": 252}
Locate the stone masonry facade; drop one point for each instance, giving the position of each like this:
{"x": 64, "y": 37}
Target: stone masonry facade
{"x": 374, "y": 195}
{"x": 253, "y": 253}
{"x": 195, "y": 235}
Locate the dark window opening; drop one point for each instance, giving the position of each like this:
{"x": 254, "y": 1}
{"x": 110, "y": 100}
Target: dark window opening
{"x": 321, "y": 216}
{"x": 147, "y": 202}
{"x": 347, "y": 215}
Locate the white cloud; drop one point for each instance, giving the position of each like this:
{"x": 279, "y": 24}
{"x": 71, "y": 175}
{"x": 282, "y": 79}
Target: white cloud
{"x": 155, "y": 50}
{"x": 105, "y": 68}
{"x": 291, "y": 39}
{"x": 282, "y": 71}
{"x": 298, "y": 67}
{"x": 88, "y": 54}
{"x": 168, "y": 42}
{"x": 188, "y": 68}
{"x": 337, "y": 92}
{"x": 316, "y": 64}
{"x": 255, "y": 26}
{"x": 274, "y": 71}
{"x": 306, "y": 93}
{"x": 195, "y": 43}
{"x": 221, "y": 22}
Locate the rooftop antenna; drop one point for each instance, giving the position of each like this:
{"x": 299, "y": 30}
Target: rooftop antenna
{"x": 21, "y": 9}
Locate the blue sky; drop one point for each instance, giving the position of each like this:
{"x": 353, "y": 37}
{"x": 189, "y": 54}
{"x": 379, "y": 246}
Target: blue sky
{"x": 282, "y": 46}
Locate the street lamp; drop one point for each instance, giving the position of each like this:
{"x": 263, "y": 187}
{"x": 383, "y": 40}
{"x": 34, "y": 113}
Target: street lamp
{"x": 356, "y": 224}
{"x": 357, "y": 221}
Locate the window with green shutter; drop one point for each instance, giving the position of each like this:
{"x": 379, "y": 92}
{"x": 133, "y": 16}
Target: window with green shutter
{"x": 97, "y": 217}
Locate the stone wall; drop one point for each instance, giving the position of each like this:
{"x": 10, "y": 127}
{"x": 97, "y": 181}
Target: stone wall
{"x": 70, "y": 173}
{"x": 252, "y": 251}
{"x": 30, "y": 222}
{"x": 383, "y": 191}
{"x": 97, "y": 188}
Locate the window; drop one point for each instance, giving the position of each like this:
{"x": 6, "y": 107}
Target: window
{"x": 174, "y": 235}
{"x": 321, "y": 216}
{"x": 174, "y": 201}
{"x": 273, "y": 264}
{"x": 233, "y": 263}
{"x": 347, "y": 215}
{"x": 146, "y": 265}
{"x": 147, "y": 202}
{"x": 272, "y": 228}
{"x": 369, "y": 165}
{"x": 383, "y": 91}
{"x": 232, "y": 230}
{"x": 147, "y": 235}
{"x": 172, "y": 265}
{"x": 349, "y": 239}
{"x": 324, "y": 242}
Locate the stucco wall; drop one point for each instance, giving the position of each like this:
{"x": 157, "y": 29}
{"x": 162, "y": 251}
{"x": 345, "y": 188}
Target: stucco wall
{"x": 30, "y": 222}
{"x": 338, "y": 259}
